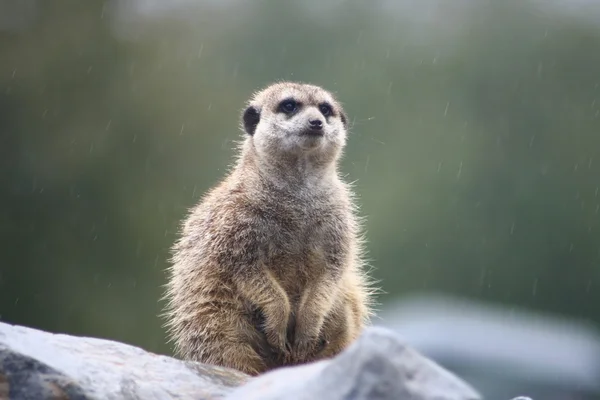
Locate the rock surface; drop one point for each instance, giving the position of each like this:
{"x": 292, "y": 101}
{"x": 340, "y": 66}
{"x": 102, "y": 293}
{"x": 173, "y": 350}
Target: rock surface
{"x": 378, "y": 366}
{"x": 41, "y": 365}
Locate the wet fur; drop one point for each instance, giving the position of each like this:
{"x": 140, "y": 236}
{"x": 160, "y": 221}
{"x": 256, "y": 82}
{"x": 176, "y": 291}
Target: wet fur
{"x": 268, "y": 269}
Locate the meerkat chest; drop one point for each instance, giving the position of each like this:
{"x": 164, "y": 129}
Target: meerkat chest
{"x": 304, "y": 242}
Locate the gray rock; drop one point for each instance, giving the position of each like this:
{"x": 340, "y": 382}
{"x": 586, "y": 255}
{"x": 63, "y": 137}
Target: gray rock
{"x": 42, "y": 365}
{"x": 378, "y": 366}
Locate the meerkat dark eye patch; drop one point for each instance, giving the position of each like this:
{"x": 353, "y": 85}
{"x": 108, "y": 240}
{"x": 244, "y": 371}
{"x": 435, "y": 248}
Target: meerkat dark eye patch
{"x": 251, "y": 118}
{"x": 288, "y": 106}
{"x": 325, "y": 109}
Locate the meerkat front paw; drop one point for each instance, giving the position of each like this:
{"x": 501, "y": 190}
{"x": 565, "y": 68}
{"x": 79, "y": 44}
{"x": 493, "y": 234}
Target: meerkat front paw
{"x": 276, "y": 324}
{"x": 321, "y": 345}
{"x": 278, "y": 339}
{"x": 306, "y": 344}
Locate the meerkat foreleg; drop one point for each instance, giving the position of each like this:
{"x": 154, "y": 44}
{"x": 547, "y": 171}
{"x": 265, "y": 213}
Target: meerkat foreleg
{"x": 217, "y": 332}
{"x": 263, "y": 290}
{"x": 341, "y": 327}
{"x": 315, "y": 304}
{"x": 235, "y": 351}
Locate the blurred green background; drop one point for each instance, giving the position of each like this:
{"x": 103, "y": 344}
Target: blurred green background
{"x": 475, "y": 144}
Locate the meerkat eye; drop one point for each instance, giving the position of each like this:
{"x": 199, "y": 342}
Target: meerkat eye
{"x": 325, "y": 109}
{"x": 288, "y": 106}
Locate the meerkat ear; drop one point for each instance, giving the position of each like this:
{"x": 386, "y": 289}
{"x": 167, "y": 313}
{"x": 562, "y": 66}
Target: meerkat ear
{"x": 344, "y": 119}
{"x": 250, "y": 119}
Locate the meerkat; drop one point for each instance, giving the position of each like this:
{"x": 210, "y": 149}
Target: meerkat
{"x": 268, "y": 269}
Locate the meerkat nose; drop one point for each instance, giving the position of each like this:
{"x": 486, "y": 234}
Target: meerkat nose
{"x": 316, "y": 124}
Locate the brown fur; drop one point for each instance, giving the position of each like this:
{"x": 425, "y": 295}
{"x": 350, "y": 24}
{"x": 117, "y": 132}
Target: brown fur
{"x": 268, "y": 270}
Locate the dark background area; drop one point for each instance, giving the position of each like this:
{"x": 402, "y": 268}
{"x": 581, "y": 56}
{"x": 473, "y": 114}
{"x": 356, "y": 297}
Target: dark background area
{"x": 474, "y": 146}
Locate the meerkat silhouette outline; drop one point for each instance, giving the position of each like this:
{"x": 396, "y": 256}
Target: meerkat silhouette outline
{"x": 269, "y": 266}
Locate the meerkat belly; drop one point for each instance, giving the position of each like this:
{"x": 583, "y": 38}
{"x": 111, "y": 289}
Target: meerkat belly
{"x": 296, "y": 257}
{"x": 295, "y": 269}
{"x": 301, "y": 245}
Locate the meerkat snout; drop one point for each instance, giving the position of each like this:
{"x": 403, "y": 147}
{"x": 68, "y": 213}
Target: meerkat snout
{"x": 316, "y": 124}
{"x": 314, "y": 127}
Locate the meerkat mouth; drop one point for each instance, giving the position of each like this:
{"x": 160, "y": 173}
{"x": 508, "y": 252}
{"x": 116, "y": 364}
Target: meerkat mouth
{"x": 312, "y": 133}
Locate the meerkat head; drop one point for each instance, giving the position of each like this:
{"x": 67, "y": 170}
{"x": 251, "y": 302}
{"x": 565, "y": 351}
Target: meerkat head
{"x": 295, "y": 119}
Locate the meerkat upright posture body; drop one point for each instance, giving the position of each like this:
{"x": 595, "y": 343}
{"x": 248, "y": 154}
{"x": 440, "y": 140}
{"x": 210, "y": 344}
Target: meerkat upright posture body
{"x": 268, "y": 269}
